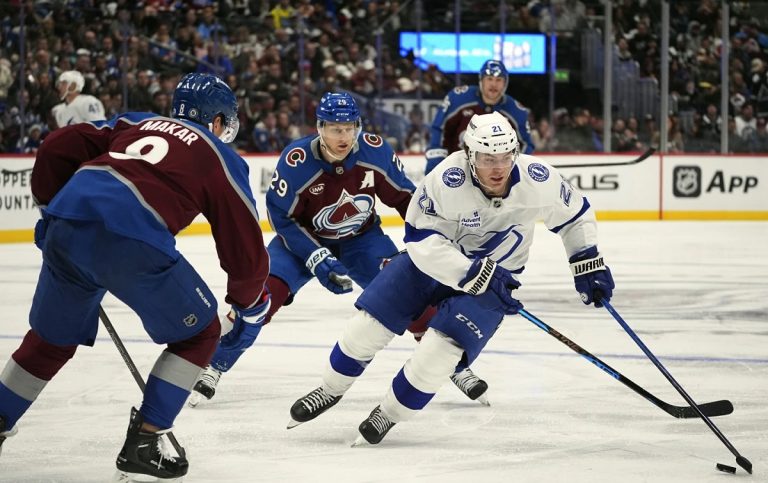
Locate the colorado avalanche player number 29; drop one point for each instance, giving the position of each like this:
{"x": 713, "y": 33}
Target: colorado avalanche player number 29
{"x": 321, "y": 203}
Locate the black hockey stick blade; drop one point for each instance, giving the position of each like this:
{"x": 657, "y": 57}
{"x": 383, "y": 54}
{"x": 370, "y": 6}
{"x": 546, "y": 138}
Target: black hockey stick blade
{"x": 744, "y": 463}
{"x": 711, "y": 409}
{"x": 722, "y": 407}
{"x": 647, "y": 154}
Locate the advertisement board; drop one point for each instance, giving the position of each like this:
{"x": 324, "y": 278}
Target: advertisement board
{"x": 521, "y": 53}
{"x": 710, "y": 187}
{"x": 658, "y": 188}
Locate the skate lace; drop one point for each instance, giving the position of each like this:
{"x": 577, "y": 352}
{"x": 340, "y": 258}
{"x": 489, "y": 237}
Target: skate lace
{"x": 465, "y": 380}
{"x": 317, "y": 399}
{"x": 210, "y": 377}
{"x": 164, "y": 449}
{"x": 380, "y": 422}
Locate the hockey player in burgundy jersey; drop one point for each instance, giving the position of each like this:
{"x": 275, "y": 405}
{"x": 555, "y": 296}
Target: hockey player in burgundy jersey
{"x": 113, "y": 196}
{"x": 321, "y": 203}
{"x": 463, "y": 102}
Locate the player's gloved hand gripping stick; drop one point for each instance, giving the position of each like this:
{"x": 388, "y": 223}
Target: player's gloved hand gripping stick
{"x": 245, "y": 321}
{"x": 330, "y": 272}
{"x": 493, "y": 285}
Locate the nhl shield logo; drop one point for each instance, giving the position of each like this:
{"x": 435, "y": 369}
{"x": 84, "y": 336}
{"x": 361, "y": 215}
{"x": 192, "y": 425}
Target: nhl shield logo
{"x": 190, "y": 320}
{"x": 687, "y": 181}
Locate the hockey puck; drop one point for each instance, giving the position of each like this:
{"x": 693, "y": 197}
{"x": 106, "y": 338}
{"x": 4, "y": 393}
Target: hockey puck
{"x": 725, "y": 468}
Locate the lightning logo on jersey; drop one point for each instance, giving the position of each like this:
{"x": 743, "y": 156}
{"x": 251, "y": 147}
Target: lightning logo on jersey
{"x": 344, "y": 217}
{"x": 496, "y": 245}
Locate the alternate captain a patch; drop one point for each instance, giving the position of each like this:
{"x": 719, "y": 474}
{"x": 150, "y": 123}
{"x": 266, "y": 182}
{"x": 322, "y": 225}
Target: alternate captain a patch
{"x": 454, "y": 177}
{"x": 538, "y": 172}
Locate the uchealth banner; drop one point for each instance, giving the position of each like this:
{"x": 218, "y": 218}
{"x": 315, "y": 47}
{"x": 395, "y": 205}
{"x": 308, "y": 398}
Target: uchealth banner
{"x": 679, "y": 187}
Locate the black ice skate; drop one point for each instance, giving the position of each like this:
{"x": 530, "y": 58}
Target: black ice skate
{"x": 471, "y": 385}
{"x": 205, "y": 387}
{"x": 311, "y": 406}
{"x": 374, "y": 428}
{"x": 148, "y": 454}
{"x": 5, "y": 434}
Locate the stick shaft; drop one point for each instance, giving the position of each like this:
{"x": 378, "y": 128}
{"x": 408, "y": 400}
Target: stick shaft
{"x": 671, "y": 379}
{"x": 716, "y": 408}
{"x": 132, "y": 367}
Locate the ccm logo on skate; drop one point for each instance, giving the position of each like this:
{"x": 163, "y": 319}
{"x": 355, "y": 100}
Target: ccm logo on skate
{"x": 474, "y": 328}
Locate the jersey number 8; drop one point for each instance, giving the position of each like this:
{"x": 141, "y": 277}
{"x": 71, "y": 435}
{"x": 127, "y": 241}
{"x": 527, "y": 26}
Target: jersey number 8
{"x": 156, "y": 153}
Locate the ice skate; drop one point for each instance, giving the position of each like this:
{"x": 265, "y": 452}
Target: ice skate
{"x": 205, "y": 387}
{"x": 374, "y": 428}
{"x": 471, "y": 385}
{"x": 5, "y": 434}
{"x": 311, "y": 406}
{"x": 148, "y": 455}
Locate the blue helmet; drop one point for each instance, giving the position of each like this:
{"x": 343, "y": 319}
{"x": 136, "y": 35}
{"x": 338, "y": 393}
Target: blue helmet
{"x": 202, "y": 97}
{"x": 337, "y": 107}
{"x": 494, "y": 68}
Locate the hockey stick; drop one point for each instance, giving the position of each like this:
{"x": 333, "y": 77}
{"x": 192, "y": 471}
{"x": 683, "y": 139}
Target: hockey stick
{"x": 134, "y": 370}
{"x": 647, "y": 154}
{"x": 740, "y": 460}
{"x": 343, "y": 281}
{"x": 715, "y": 408}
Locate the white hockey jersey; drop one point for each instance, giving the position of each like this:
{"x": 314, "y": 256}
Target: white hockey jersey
{"x": 83, "y": 108}
{"x": 450, "y": 221}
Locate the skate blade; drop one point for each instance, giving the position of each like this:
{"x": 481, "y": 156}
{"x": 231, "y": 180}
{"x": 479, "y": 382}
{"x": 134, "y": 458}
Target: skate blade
{"x": 124, "y": 477}
{"x": 483, "y": 399}
{"x": 292, "y": 423}
{"x": 360, "y": 441}
{"x": 194, "y": 399}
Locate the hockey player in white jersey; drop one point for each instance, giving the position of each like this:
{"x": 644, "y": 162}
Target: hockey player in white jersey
{"x": 468, "y": 232}
{"x": 76, "y": 107}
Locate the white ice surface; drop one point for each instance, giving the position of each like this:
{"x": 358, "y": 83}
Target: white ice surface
{"x": 695, "y": 292}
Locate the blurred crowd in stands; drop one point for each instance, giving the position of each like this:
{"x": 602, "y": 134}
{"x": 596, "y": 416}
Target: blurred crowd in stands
{"x": 132, "y": 54}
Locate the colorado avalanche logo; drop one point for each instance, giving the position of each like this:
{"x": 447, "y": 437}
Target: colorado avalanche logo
{"x": 295, "y": 156}
{"x": 538, "y": 172}
{"x": 344, "y": 217}
{"x": 454, "y": 177}
{"x": 373, "y": 140}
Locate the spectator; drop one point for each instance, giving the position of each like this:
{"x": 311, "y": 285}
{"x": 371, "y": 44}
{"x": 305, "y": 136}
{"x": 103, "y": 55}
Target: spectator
{"x": 282, "y": 14}
{"x": 266, "y": 137}
{"x": 746, "y": 123}
{"x": 578, "y": 136}
{"x": 31, "y": 143}
{"x": 140, "y": 96}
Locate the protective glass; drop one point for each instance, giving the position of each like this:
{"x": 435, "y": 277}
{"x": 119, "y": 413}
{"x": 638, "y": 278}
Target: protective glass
{"x": 500, "y": 160}
{"x": 231, "y": 126}
{"x": 340, "y": 131}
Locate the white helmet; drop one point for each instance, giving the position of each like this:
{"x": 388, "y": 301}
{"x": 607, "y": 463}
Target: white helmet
{"x": 489, "y": 133}
{"x": 74, "y": 79}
